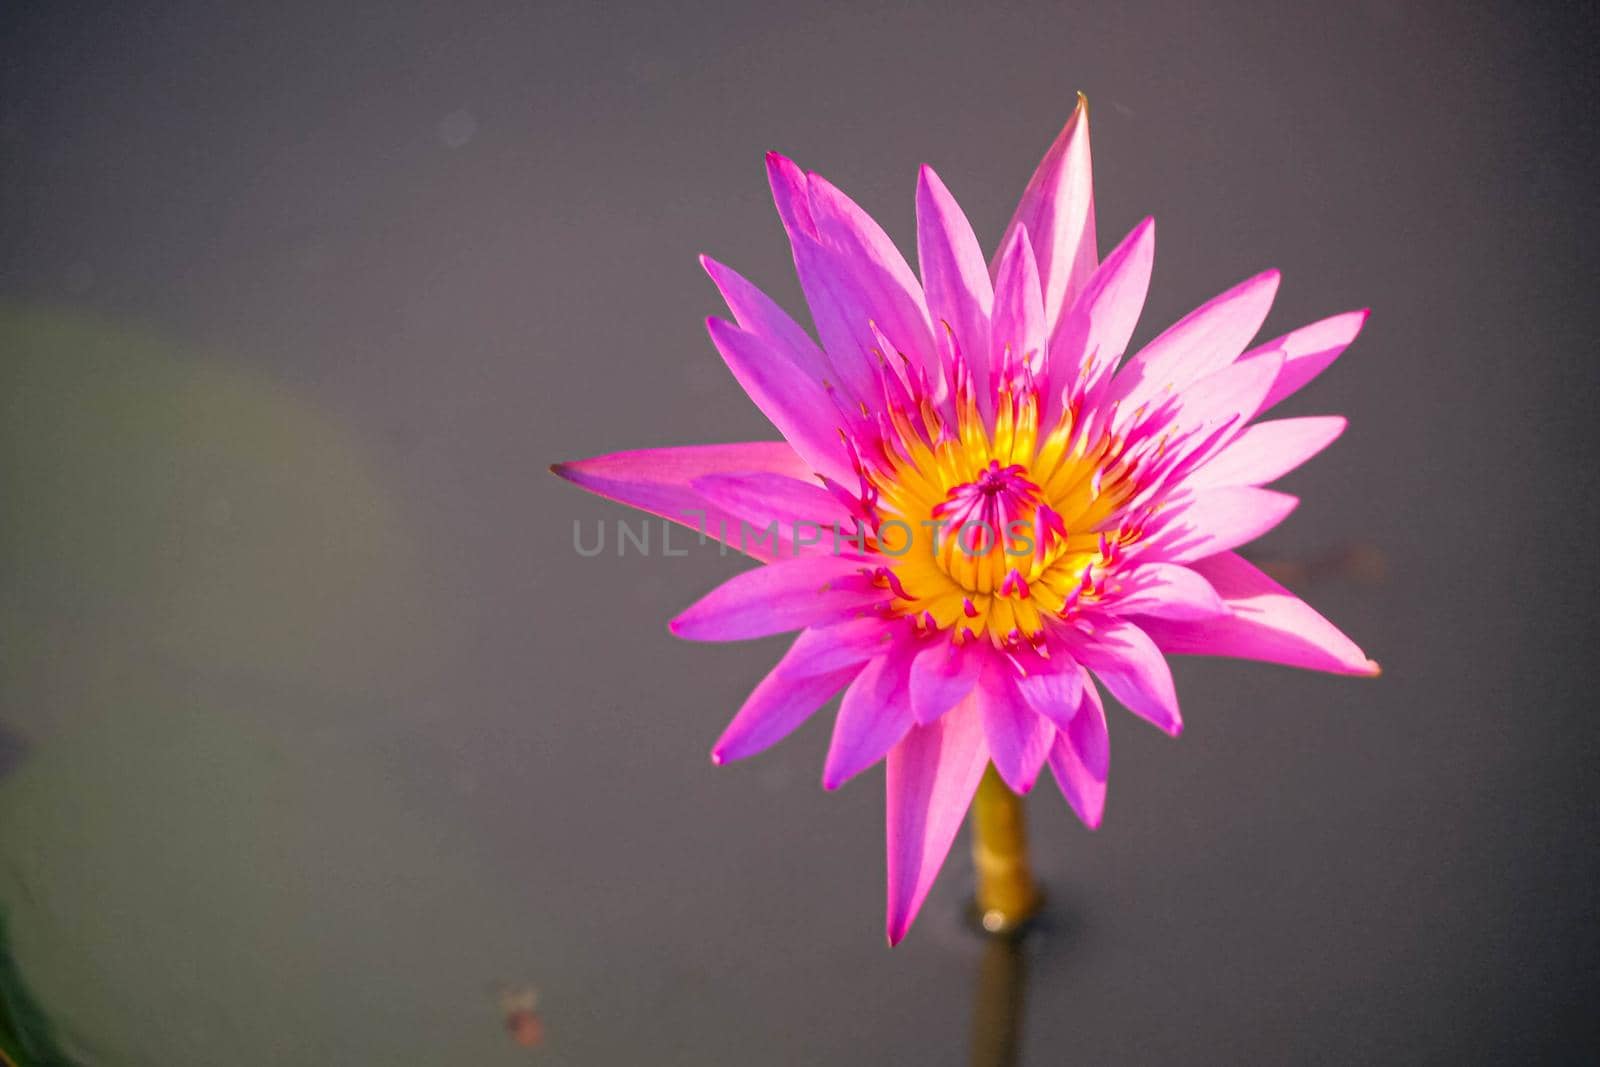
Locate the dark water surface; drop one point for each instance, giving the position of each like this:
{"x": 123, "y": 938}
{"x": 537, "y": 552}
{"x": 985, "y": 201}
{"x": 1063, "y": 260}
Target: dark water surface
{"x": 316, "y": 735}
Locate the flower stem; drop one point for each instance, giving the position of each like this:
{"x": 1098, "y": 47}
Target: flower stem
{"x": 1007, "y": 896}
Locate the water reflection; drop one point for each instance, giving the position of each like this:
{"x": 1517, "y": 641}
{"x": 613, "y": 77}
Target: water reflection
{"x": 12, "y": 751}
{"x": 1358, "y": 562}
{"x": 999, "y": 1002}
{"x": 211, "y": 621}
{"x": 27, "y": 1036}
{"x": 520, "y": 1006}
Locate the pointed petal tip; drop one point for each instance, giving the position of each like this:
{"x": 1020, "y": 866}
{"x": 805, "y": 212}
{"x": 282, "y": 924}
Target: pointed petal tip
{"x": 1080, "y": 111}
{"x": 1015, "y": 242}
{"x": 717, "y": 758}
{"x": 894, "y": 935}
{"x": 561, "y": 470}
{"x": 1374, "y": 669}
{"x": 1020, "y": 786}
{"x": 930, "y": 185}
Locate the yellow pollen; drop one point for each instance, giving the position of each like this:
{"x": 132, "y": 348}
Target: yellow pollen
{"x": 1005, "y": 521}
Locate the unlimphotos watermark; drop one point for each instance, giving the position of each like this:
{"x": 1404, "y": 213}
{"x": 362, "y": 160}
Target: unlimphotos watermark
{"x": 893, "y": 537}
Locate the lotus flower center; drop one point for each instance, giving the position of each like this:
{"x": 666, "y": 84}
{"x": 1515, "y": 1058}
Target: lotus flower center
{"x": 986, "y": 527}
{"x": 1003, "y": 523}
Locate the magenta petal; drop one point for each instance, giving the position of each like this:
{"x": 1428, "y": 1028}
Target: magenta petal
{"x": 1267, "y": 623}
{"x": 941, "y": 676}
{"x": 1201, "y": 343}
{"x": 1203, "y": 523}
{"x": 955, "y": 279}
{"x": 779, "y": 704}
{"x": 1102, "y": 319}
{"x": 1230, "y": 394}
{"x": 797, "y": 405}
{"x": 1052, "y": 687}
{"x": 660, "y": 481}
{"x": 853, "y": 277}
{"x": 789, "y": 594}
{"x": 876, "y": 713}
{"x": 791, "y": 194}
{"x": 1169, "y": 591}
{"x": 1080, "y": 759}
{"x": 1057, "y": 210}
{"x": 1133, "y": 669}
{"x": 876, "y": 265}
{"x": 1267, "y": 451}
{"x": 834, "y": 646}
{"x": 758, "y": 314}
{"x": 1017, "y": 332}
{"x": 931, "y": 778}
{"x": 1019, "y": 737}
{"x": 1308, "y": 351}
{"x": 759, "y": 500}
{"x": 842, "y": 312}
{"x": 1088, "y": 732}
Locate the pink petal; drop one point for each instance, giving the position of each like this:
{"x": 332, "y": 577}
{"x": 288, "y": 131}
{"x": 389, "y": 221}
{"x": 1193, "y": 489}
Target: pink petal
{"x": 1052, "y": 687}
{"x": 660, "y": 481}
{"x": 1169, "y": 591}
{"x": 1080, "y": 759}
{"x": 1088, "y": 732}
{"x": 1203, "y": 523}
{"x": 1129, "y": 664}
{"x": 1267, "y": 451}
{"x": 1057, "y": 209}
{"x": 941, "y": 677}
{"x": 1102, "y": 319}
{"x": 798, "y": 406}
{"x": 843, "y": 313}
{"x": 900, "y": 310}
{"x": 1267, "y": 623}
{"x": 954, "y": 277}
{"x": 1308, "y": 351}
{"x": 1201, "y": 343}
{"x": 779, "y": 704}
{"x": 759, "y": 315}
{"x": 1017, "y": 334}
{"x": 1208, "y": 414}
{"x": 833, "y": 646}
{"x": 759, "y": 500}
{"x": 792, "y": 195}
{"x": 852, "y": 275}
{"x": 876, "y": 714}
{"x": 789, "y": 594}
{"x": 931, "y": 778}
{"x": 1019, "y": 738}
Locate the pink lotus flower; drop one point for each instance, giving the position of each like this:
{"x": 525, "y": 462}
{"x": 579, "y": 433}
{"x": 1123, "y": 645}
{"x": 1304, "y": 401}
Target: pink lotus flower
{"x": 1031, "y": 513}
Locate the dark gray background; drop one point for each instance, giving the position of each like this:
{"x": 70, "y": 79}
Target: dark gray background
{"x": 317, "y": 727}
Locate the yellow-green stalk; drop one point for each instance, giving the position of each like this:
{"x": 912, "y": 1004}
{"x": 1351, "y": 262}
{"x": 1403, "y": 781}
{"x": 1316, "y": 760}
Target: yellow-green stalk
{"x": 1007, "y": 896}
